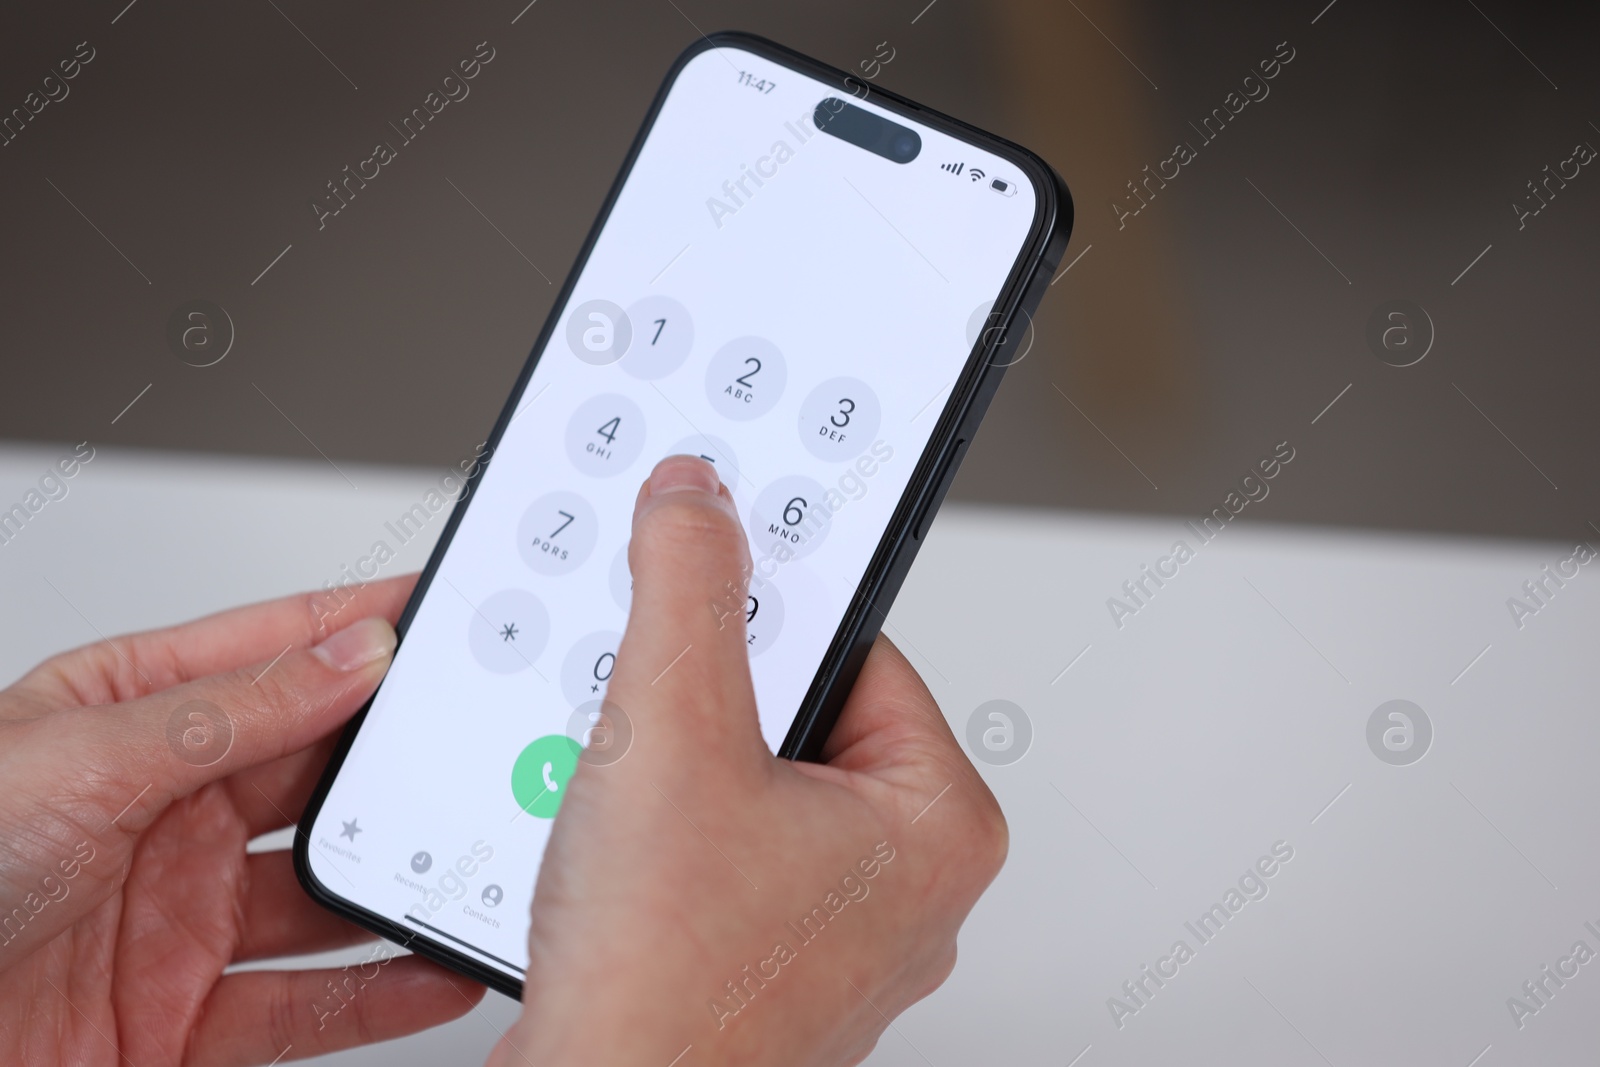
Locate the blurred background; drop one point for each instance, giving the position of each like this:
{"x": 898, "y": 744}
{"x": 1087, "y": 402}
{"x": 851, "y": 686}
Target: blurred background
{"x": 1226, "y": 315}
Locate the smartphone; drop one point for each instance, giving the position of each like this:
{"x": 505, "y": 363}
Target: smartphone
{"x": 811, "y": 282}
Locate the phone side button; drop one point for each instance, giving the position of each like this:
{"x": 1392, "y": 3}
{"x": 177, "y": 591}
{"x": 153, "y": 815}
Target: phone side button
{"x": 942, "y": 486}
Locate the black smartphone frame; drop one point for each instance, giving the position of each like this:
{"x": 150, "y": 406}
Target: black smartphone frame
{"x": 997, "y": 349}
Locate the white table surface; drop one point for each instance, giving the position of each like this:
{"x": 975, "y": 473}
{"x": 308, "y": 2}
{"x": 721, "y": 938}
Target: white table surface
{"x": 1225, "y": 716}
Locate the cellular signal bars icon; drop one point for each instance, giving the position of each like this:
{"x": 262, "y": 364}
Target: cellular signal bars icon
{"x": 974, "y": 173}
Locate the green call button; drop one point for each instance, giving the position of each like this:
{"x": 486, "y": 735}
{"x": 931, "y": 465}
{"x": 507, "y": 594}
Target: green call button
{"x": 539, "y": 777}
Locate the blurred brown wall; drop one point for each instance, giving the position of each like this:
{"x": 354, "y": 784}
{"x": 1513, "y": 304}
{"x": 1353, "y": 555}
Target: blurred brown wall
{"x": 1184, "y": 344}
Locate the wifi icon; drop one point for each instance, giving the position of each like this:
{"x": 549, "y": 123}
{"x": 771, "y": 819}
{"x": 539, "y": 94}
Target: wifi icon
{"x": 952, "y": 168}
{"x": 977, "y": 175}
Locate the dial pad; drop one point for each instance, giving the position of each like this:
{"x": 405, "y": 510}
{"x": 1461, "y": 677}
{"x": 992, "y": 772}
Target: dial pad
{"x": 621, "y": 579}
{"x": 661, "y": 386}
{"x": 790, "y": 519}
{"x": 557, "y": 533}
{"x": 666, "y": 334}
{"x": 508, "y": 631}
{"x": 763, "y": 615}
{"x": 605, "y": 435}
{"x": 714, "y": 450}
{"x": 588, "y": 666}
{"x": 745, "y": 378}
{"x": 839, "y": 418}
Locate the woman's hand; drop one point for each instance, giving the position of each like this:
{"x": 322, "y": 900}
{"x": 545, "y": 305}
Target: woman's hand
{"x": 699, "y": 893}
{"x": 132, "y": 774}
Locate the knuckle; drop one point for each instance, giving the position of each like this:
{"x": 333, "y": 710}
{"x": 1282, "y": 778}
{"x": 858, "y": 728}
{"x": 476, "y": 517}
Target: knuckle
{"x": 363, "y": 1021}
{"x": 864, "y": 1043}
{"x": 93, "y": 674}
{"x": 282, "y": 1015}
{"x": 943, "y": 967}
{"x": 996, "y": 837}
{"x": 935, "y": 972}
{"x": 987, "y": 833}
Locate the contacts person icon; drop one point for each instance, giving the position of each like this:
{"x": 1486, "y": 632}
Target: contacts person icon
{"x": 492, "y": 895}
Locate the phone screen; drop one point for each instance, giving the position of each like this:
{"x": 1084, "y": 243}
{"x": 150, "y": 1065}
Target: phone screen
{"x": 791, "y": 305}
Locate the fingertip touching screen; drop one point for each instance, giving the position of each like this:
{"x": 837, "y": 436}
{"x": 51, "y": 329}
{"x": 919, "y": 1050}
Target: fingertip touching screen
{"x": 793, "y": 303}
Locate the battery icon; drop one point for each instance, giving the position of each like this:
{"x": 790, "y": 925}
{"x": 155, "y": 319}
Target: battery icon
{"x": 1003, "y": 187}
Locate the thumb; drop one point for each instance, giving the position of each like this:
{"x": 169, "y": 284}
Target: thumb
{"x": 682, "y": 675}
{"x": 143, "y": 754}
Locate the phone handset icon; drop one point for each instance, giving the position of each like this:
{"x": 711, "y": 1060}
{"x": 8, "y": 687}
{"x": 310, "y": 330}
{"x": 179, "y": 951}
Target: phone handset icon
{"x": 541, "y": 772}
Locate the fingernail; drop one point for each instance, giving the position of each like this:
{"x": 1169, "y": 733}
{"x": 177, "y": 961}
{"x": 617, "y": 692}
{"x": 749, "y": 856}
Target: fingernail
{"x": 357, "y": 645}
{"x": 683, "y": 472}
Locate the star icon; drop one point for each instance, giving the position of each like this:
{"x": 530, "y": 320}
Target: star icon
{"x": 350, "y": 829}
{"x": 594, "y": 689}
{"x": 508, "y": 632}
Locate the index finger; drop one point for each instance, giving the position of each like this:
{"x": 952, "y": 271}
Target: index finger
{"x": 137, "y": 664}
